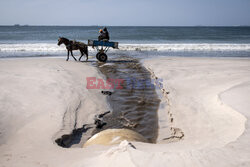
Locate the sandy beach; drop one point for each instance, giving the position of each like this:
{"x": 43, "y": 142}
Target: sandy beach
{"x": 203, "y": 117}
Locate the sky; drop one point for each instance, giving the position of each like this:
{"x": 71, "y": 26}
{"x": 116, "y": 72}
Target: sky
{"x": 126, "y": 12}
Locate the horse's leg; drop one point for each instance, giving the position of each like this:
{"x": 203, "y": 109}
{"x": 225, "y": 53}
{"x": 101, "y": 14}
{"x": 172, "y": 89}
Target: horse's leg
{"x": 86, "y": 53}
{"x": 87, "y": 57}
{"x": 81, "y": 55}
{"x": 72, "y": 55}
{"x": 67, "y": 56}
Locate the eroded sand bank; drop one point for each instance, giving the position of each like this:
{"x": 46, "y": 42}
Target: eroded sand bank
{"x": 41, "y": 100}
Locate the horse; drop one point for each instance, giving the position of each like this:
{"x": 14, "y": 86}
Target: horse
{"x": 74, "y": 45}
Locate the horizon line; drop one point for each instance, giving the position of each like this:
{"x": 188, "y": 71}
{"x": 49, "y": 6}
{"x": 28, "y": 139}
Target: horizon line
{"x": 23, "y": 25}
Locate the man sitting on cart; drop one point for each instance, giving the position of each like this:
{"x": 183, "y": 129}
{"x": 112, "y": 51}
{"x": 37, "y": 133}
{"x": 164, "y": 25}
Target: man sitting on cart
{"x": 104, "y": 35}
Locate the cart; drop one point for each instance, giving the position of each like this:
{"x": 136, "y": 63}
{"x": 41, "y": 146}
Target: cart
{"x": 102, "y": 47}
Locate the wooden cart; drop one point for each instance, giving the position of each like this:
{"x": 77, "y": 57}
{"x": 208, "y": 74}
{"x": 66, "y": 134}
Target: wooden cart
{"x": 102, "y": 47}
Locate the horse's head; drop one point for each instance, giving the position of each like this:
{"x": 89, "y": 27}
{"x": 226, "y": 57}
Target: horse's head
{"x": 60, "y": 41}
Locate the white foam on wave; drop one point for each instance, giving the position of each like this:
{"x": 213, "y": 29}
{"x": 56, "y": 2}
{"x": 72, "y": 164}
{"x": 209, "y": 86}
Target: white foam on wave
{"x": 48, "y": 47}
{"x": 36, "y": 47}
{"x": 186, "y": 47}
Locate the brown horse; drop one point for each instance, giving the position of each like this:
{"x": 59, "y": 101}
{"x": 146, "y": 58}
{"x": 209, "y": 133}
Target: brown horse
{"x": 74, "y": 45}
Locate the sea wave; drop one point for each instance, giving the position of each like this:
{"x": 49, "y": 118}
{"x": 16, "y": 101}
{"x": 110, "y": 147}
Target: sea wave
{"x": 36, "y": 47}
{"x": 48, "y": 47}
{"x": 186, "y": 47}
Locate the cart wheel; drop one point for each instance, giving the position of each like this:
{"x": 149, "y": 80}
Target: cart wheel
{"x": 102, "y": 57}
{"x": 97, "y": 55}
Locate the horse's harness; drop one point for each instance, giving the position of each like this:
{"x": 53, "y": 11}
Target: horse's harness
{"x": 70, "y": 44}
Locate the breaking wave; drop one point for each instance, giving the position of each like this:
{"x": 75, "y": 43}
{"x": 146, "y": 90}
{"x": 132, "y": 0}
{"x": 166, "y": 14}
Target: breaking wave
{"x": 50, "y": 48}
{"x": 36, "y": 47}
{"x": 186, "y": 47}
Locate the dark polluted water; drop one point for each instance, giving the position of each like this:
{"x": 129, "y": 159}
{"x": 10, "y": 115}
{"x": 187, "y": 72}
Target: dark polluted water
{"x": 135, "y": 105}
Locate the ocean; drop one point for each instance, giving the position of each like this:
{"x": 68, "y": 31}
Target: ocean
{"x": 39, "y": 41}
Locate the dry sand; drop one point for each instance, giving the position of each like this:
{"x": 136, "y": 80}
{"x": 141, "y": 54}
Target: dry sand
{"x": 208, "y": 104}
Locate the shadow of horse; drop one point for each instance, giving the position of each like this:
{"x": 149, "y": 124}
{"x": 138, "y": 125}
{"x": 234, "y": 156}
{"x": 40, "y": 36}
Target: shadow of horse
{"x": 74, "y": 45}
